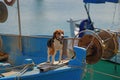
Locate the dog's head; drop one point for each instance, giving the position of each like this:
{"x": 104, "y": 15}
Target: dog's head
{"x": 58, "y": 34}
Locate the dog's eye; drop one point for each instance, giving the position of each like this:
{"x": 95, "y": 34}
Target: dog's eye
{"x": 59, "y": 33}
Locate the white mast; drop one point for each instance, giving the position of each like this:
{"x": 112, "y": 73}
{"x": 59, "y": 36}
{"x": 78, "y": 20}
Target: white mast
{"x": 19, "y": 25}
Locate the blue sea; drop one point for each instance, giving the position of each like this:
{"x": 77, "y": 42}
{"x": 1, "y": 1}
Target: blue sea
{"x": 42, "y": 17}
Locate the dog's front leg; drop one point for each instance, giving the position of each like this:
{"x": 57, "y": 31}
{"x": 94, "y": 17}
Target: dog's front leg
{"x": 53, "y": 57}
{"x": 60, "y": 57}
{"x": 48, "y": 56}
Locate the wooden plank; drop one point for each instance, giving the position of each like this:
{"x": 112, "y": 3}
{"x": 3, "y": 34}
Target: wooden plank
{"x": 48, "y": 66}
{"x": 9, "y": 73}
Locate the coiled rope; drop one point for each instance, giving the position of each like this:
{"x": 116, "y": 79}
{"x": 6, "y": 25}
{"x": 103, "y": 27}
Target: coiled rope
{"x": 28, "y": 66}
{"x": 24, "y": 68}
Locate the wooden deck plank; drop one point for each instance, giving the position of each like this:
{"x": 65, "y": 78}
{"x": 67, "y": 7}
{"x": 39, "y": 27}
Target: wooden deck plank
{"x": 48, "y": 66}
{"x": 9, "y": 73}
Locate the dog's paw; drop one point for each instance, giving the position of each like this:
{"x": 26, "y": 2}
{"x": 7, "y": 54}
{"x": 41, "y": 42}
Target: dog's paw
{"x": 48, "y": 61}
{"x": 52, "y": 64}
{"x": 60, "y": 61}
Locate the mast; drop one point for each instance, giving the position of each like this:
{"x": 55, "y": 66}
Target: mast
{"x": 87, "y": 11}
{"x": 19, "y": 26}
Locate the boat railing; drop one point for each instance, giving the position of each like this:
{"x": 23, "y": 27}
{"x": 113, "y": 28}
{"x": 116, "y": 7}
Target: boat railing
{"x": 32, "y": 36}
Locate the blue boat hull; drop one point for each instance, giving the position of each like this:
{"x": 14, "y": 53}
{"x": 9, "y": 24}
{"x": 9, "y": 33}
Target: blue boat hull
{"x": 35, "y": 48}
{"x": 58, "y": 74}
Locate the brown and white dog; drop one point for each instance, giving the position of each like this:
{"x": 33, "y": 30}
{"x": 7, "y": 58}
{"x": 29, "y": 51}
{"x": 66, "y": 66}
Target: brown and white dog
{"x": 55, "y": 44}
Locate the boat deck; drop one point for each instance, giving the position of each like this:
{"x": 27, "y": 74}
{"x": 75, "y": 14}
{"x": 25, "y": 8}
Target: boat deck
{"x": 48, "y": 66}
{"x": 103, "y": 70}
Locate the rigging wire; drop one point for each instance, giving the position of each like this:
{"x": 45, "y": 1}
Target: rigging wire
{"x": 119, "y": 13}
{"x": 107, "y": 74}
{"x": 91, "y": 71}
{"x": 114, "y": 15}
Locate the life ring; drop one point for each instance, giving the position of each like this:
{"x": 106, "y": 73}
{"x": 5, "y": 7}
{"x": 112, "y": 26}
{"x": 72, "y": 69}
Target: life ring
{"x": 3, "y": 12}
{"x": 9, "y": 2}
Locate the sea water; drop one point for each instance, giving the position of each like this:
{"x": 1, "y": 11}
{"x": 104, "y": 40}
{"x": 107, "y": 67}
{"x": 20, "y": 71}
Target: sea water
{"x": 42, "y": 17}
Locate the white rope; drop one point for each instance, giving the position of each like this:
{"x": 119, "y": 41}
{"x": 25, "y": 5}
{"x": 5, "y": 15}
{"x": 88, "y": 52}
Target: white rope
{"x": 10, "y": 68}
{"x": 16, "y": 67}
{"x": 21, "y": 72}
{"x": 28, "y": 66}
{"x": 91, "y": 71}
{"x": 114, "y": 14}
{"x": 119, "y": 13}
{"x": 107, "y": 74}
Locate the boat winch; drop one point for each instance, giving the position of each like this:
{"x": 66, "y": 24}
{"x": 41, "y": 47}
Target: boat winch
{"x": 99, "y": 44}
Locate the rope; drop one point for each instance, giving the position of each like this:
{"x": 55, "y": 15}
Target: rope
{"x": 107, "y": 74}
{"x": 16, "y": 67}
{"x": 28, "y": 66}
{"x": 80, "y": 67}
{"x": 119, "y": 13}
{"x": 91, "y": 71}
{"x": 90, "y": 43}
{"x": 114, "y": 13}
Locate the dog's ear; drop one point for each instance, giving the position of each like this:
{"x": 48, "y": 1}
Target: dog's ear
{"x": 61, "y": 31}
{"x": 54, "y": 34}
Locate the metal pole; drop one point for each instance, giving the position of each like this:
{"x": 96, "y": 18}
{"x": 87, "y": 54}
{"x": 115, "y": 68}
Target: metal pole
{"x": 19, "y": 25}
{"x": 72, "y": 26}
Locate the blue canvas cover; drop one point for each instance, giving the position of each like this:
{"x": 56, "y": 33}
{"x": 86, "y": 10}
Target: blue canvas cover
{"x": 94, "y": 1}
{"x": 114, "y": 1}
{"x": 100, "y": 1}
{"x": 85, "y": 24}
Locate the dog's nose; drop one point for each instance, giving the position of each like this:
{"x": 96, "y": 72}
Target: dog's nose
{"x": 62, "y": 35}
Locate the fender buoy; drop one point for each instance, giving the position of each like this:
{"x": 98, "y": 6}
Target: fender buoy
{"x": 3, "y": 12}
{"x": 3, "y": 56}
{"x": 9, "y": 2}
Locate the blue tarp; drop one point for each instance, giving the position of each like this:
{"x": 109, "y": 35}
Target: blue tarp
{"x": 100, "y": 1}
{"x": 85, "y": 24}
{"x": 114, "y": 1}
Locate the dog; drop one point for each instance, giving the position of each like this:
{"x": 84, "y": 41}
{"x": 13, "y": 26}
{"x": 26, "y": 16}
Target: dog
{"x": 55, "y": 44}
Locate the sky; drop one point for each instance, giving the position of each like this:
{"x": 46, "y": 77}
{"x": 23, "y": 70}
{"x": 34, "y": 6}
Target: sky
{"x": 42, "y": 17}
{"x": 107, "y": 15}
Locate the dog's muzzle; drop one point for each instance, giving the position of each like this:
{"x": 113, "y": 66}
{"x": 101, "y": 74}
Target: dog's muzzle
{"x": 61, "y": 38}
